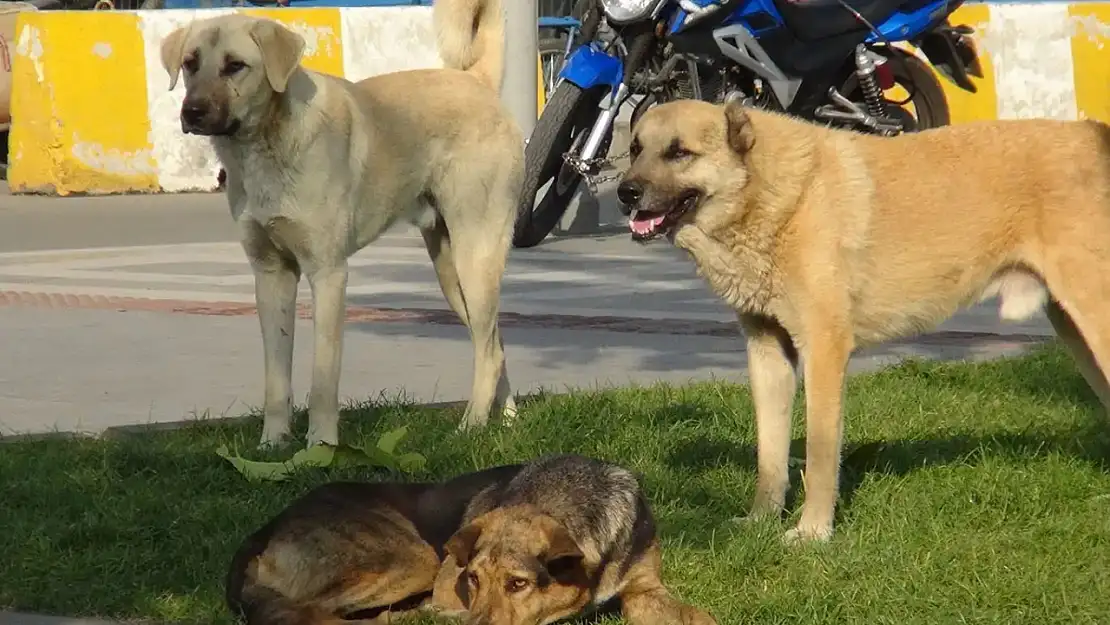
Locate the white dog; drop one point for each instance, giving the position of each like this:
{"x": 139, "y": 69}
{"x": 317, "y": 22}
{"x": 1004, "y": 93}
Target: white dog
{"x": 318, "y": 167}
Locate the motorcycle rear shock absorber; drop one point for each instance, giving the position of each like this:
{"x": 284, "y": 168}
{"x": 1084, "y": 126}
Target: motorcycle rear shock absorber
{"x": 865, "y": 74}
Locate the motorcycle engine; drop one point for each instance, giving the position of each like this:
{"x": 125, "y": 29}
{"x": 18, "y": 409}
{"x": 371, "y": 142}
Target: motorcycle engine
{"x": 717, "y": 83}
{"x": 711, "y": 80}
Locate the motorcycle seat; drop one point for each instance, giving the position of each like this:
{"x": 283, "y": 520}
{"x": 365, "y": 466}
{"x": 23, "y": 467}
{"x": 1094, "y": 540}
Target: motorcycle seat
{"x": 819, "y": 19}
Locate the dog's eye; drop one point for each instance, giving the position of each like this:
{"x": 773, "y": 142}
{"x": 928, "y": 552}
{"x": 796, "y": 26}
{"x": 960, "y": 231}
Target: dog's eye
{"x": 635, "y": 149}
{"x": 516, "y": 584}
{"x": 472, "y": 577}
{"x": 191, "y": 64}
{"x": 676, "y": 152}
{"x": 232, "y": 67}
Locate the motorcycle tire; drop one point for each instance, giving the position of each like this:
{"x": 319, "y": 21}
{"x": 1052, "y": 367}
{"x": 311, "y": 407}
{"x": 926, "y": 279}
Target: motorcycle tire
{"x": 570, "y": 112}
{"x": 915, "y": 76}
{"x": 551, "y": 61}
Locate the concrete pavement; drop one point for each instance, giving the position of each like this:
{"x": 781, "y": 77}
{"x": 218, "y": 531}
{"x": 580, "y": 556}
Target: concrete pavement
{"x": 19, "y": 618}
{"x": 129, "y": 310}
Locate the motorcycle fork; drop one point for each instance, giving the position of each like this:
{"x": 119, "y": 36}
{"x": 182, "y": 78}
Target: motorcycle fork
{"x": 583, "y": 162}
{"x": 635, "y": 44}
{"x": 611, "y": 108}
{"x": 604, "y": 122}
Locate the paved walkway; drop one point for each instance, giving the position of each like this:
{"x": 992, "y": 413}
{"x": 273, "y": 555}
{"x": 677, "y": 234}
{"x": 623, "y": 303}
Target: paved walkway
{"x": 120, "y": 311}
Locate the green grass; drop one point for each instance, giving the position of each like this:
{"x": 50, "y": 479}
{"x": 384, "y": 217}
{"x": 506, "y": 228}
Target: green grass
{"x": 972, "y": 494}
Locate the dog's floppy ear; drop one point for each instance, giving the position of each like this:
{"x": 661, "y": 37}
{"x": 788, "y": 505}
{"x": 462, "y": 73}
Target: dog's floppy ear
{"x": 173, "y": 53}
{"x": 461, "y": 545}
{"x": 281, "y": 51}
{"x": 563, "y": 559}
{"x": 738, "y": 128}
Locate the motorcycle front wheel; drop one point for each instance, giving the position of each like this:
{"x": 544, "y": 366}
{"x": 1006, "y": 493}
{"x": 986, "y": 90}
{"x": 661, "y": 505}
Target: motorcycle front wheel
{"x": 563, "y": 126}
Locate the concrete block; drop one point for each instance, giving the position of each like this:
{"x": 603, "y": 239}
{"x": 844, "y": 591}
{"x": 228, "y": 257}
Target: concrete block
{"x": 91, "y": 107}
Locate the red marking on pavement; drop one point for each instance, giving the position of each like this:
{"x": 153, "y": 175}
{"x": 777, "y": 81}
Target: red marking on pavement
{"x": 364, "y": 314}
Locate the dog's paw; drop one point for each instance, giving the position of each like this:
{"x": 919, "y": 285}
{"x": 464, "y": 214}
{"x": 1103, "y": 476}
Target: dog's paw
{"x": 323, "y": 432}
{"x": 760, "y": 512}
{"x": 471, "y": 421}
{"x": 807, "y": 534}
{"x": 469, "y": 426}
{"x": 508, "y": 413}
{"x": 317, "y": 438}
{"x": 273, "y": 439}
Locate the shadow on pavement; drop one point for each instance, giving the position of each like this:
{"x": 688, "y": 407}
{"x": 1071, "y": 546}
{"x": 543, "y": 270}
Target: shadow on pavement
{"x": 661, "y": 352}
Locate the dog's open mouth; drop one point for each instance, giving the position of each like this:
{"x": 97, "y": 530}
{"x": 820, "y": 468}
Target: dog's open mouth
{"x": 647, "y": 225}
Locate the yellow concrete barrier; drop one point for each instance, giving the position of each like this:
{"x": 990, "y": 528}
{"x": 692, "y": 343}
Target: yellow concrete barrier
{"x": 79, "y": 105}
{"x": 91, "y": 108}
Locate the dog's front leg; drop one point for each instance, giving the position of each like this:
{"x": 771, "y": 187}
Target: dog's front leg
{"x": 329, "y": 295}
{"x": 275, "y": 292}
{"x": 825, "y": 355}
{"x": 772, "y": 372}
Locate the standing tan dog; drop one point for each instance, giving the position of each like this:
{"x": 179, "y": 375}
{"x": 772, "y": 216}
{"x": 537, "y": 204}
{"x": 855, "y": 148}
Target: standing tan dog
{"x": 319, "y": 167}
{"x": 825, "y": 240}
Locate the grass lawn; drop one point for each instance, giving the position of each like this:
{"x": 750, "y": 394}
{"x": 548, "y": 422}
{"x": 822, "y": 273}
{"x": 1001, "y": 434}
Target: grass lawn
{"x": 972, "y": 494}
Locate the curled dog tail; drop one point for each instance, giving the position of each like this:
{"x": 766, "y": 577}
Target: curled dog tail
{"x": 471, "y": 37}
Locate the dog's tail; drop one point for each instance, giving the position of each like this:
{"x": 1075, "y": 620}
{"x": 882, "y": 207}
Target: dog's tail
{"x": 259, "y": 605}
{"x": 471, "y": 37}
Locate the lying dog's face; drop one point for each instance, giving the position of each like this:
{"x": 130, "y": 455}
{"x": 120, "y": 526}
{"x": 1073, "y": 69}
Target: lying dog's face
{"x": 519, "y": 567}
{"x": 683, "y": 154}
{"x": 233, "y": 66}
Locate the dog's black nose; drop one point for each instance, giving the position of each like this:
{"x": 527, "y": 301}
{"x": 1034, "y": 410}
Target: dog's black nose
{"x": 192, "y": 112}
{"x": 630, "y": 193}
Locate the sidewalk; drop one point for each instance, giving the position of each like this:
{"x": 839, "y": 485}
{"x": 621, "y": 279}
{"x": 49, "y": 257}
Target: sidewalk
{"x": 130, "y": 334}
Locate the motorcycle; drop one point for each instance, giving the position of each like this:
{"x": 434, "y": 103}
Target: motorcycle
{"x": 829, "y": 61}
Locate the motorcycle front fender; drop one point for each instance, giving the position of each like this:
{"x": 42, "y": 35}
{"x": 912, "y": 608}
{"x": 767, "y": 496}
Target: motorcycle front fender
{"x": 589, "y": 67}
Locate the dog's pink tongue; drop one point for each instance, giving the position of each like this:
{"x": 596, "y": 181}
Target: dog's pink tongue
{"x": 645, "y": 225}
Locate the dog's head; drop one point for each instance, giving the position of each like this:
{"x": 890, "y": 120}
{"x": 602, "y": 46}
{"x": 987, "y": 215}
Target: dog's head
{"x": 233, "y": 66}
{"x": 684, "y": 154}
{"x": 519, "y": 567}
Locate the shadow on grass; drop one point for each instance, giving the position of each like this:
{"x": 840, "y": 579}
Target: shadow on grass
{"x": 707, "y": 511}
{"x": 1048, "y": 382}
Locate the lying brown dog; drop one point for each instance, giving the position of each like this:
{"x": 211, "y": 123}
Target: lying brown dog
{"x": 513, "y": 545}
{"x": 825, "y": 240}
